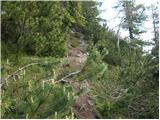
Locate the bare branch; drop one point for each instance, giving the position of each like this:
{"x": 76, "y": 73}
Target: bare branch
{"x": 17, "y": 71}
{"x": 61, "y": 80}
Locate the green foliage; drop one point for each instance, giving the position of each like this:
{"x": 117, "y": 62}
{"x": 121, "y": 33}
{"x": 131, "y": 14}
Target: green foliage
{"x": 127, "y": 93}
{"x": 74, "y": 13}
{"x": 133, "y": 16}
{"x": 73, "y": 39}
{"x": 92, "y": 30}
{"x": 155, "y": 21}
{"x": 122, "y": 83}
{"x": 94, "y": 67}
{"x": 27, "y": 96}
{"x": 122, "y": 91}
{"x": 42, "y": 32}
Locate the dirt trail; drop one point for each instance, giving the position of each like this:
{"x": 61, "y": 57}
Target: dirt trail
{"x": 83, "y": 107}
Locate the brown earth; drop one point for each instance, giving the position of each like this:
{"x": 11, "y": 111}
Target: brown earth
{"x": 83, "y": 107}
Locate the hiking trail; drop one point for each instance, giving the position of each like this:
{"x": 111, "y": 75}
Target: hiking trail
{"x": 83, "y": 107}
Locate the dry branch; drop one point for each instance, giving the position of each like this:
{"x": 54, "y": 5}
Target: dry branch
{"x": 17, "y": 71}
{"x": 61, "y": 80}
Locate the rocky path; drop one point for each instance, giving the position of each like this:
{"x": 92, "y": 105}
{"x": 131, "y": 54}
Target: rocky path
{"x": 83, "y": 107}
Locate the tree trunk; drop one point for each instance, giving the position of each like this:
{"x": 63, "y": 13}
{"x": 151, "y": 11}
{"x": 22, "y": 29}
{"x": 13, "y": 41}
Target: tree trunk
{"x": 130, "y": 33}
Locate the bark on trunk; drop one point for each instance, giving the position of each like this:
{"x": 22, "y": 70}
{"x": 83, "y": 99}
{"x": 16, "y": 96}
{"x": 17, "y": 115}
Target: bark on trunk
{"x": 130, "y": 33}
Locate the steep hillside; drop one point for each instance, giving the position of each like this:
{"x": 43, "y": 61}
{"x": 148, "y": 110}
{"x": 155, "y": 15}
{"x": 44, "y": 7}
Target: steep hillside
{"x": 60, "y": 60}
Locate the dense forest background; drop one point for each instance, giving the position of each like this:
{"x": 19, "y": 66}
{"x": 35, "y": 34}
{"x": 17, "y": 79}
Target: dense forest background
{"x": 36, "y": 38}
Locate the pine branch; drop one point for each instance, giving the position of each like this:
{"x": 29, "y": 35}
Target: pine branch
{"x": 62, "y": 80}
{"x": 16, "y": 72}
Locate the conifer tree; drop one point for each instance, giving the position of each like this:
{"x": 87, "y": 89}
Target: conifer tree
{"x": 133, "y": 16}
{"x": 155, "y": 19}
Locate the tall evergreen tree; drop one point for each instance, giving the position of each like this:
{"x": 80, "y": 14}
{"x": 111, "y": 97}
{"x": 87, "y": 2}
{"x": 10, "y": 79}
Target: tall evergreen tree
{"x": 155, "y": 22}
{"x": 133, "y": 16}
